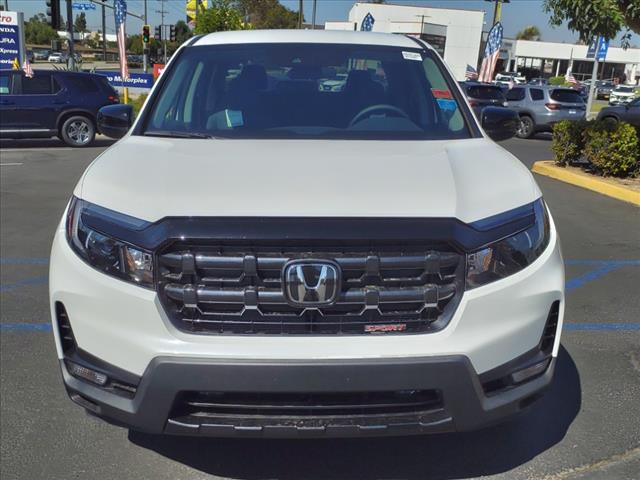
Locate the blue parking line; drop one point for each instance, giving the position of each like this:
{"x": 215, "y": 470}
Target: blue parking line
{"x": 619, "y": 263}
{"x": 24, "y": 283}
{"x": 590, "y": 276}
{"x": 601, "y": 327}
{"x": 24, "y": 261}
{"x": 25, "y": 327}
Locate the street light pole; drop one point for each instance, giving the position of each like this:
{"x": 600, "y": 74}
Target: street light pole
{"x": 497, "y": 10}
{"x": 163, "y": 33}
{"x": 145, "y": 47}
{"x": 104, "y": 34}
{"x": 71, "y": 61}
{"x": 313, "y": 16}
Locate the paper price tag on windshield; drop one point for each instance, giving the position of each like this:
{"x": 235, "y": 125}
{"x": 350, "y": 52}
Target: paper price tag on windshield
{"x": 412, "y": 56}
{"x": 234, "y": 118}
{"x": 445, "y": 104}
{"x": 441, "y": 93}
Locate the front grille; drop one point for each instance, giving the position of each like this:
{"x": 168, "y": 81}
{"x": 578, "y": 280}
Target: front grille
{"x": 203, "y": 405}
{"x": 239, "y": 290}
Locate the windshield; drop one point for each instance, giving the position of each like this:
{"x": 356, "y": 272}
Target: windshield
{"x": 307, "y": 91}
{"x": 569, "y": 96}
{"x": 486, "y": 93}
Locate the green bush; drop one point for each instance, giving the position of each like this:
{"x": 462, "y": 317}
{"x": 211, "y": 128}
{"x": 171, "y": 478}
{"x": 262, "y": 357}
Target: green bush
{"x": 557, "y": 81}
{"x": 612, "y": 148}
{"x": 568, "y": 140}
{"x": 137, "y": 103}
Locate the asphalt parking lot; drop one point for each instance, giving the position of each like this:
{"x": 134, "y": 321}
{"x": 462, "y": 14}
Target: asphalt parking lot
{"x": 587, "y": 426}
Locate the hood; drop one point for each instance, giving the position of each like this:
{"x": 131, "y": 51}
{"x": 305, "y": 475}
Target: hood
{"x": 151, "y": 178}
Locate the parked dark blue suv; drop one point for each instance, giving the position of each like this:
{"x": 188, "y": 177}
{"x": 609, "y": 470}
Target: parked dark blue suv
{"x": 53, "y": 103}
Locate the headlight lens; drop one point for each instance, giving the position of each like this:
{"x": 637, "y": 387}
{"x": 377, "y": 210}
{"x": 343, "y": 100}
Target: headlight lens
{"x": 105, "y": 253}
{"x": 511, "y": 254}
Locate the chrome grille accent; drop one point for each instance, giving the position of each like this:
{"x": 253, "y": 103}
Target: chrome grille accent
{"x": 238, "y": 290}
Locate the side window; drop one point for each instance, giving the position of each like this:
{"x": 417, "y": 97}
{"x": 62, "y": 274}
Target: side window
{"x": 55, "y": 86}
{"x": 515, "y": 94}
{"x": 5, "y": 83}
{"x": 79, "y": 84}
{"x": 37, "y": 85}
{"x": 536, "y": 94}
{"x": 448, "y": 107}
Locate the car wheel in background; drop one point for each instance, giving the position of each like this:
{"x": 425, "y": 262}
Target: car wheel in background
{"x": 78, "y": 131}
{"x": 526, "y": 128}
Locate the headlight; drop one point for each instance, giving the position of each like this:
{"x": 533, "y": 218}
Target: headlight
{"x": 511, "y": 254}
{"x": 106, "y": 253}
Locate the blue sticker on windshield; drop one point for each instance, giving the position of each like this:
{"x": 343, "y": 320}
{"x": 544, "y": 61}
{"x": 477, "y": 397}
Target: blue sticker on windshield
{"x": 446, "y": 104}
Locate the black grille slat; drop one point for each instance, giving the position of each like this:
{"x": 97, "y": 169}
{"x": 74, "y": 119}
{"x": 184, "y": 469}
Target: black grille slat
{"x": 208, "y": 404}
{"x": 238, "y": 290}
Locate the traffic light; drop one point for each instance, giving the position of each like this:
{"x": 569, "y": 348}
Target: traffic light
{"x": 158, "y": 33}
{"x": 53, "y": 14}
{"x": 172, "y": 33}
{"x": 145, "y": 33}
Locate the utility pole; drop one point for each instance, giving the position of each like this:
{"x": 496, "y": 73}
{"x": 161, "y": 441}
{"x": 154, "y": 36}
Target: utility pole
{"x": 104, "y": 34}
{"x": 300, "y": 14}
{"x": 71, "y": 61}
{"x": 313, "y": 16}
{"x": 422, "y": 23}
{"x": 145, "y": 47}
{"x": 497, "y": 10}
{"x": 163, "y": 34}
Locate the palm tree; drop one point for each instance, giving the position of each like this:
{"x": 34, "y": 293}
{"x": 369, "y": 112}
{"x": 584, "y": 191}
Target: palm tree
{"x": 529, "y": 33}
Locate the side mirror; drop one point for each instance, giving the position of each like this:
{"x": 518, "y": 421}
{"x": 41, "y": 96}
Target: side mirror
{"x": 499, "y": 123}
{"x": 115, "y": 120}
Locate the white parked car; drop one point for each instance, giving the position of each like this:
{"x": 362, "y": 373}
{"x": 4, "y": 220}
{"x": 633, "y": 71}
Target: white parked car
{"x": 509, "y": 78}
{"x": 57, "y": 57}
{"x": 622, "y": 94}
{"x": 283, "y": 261}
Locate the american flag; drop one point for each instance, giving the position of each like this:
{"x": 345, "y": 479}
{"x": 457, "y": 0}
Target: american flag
{"x": 120, "y": 7}
{"x": 367, "y": 23}
{"x": 471, "y": 73}
{"x": 26, "y": 68}
{"x": 569, "y": 78}
{"x": 491, "y": 53}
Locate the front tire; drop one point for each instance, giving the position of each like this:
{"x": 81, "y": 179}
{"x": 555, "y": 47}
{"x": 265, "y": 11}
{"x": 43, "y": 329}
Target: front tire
{"x": 78, "y": 131}
{"x": 526, "y": 128}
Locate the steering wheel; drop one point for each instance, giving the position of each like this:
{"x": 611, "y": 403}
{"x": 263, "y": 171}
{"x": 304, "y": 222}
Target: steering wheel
{"x": 366, "y": 112}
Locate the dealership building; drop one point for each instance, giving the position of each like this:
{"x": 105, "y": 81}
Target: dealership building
{"x": 545, "y": 59}
{"x": 459, "y": 38}
{"x": 455, "y": 34}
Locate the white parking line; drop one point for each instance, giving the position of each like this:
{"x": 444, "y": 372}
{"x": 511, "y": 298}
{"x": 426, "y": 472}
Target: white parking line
{"x": 10, "y": 164}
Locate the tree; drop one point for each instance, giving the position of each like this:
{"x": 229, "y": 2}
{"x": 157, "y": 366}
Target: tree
{"x": 37, "y": 31}
{"x": 267, "y": 14}
{"x": 182, "y": 32}
{"x": 221, "y": 16}
{"x": 530, "y": 32}
{"x": 134, "y": 44}
{"x": 80, "y": 23}
{"x": 591, "y": 18}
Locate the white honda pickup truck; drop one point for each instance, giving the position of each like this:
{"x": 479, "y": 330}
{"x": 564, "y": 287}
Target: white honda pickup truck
{"x": 261, "y": 256}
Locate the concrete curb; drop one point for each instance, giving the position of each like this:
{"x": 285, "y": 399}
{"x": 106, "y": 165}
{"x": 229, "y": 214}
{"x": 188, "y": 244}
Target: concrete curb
{"x": 549, "y": 169}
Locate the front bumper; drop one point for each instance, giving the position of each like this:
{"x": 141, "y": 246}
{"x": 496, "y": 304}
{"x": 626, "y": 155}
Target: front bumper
{"x": 463, "y": 403}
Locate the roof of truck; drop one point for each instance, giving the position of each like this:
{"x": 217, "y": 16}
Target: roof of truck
{"x": 306, "y": 36}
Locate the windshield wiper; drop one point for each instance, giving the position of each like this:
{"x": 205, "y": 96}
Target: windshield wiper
{"x": 177, "y": 134}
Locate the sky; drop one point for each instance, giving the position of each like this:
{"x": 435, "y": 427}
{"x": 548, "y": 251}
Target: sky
{"x": 515, "y": 15}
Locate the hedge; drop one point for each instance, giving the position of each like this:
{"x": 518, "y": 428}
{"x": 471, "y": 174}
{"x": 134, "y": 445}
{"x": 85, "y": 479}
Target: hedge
{"x": 568, "y": 140}
{"x": 612, "y": 148}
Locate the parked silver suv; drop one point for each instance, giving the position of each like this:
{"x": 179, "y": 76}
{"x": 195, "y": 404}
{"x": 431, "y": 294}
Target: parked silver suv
{"x": 539, "y": 107}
